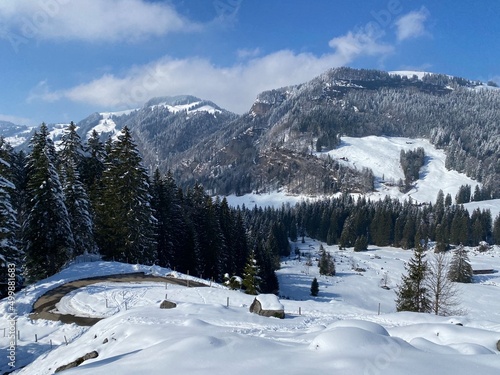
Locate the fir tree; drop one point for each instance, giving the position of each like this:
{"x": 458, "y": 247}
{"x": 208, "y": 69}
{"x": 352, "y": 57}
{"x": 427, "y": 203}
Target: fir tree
{"x": 47, "y": 237}
{"x": 412, "y": 294}
{"x": 9, "y": 249}
{"x": 76, "y": 198}
{"x": 251, "y": 279}
{"x": 361, "y": 243}
{"x": 326, "y": 264}
{"x": 125, "y": 225}
{"x": 314, "y": 287}
{"x": 460, "y": 270}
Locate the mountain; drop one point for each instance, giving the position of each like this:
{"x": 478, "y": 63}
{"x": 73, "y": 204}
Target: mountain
{"x": 282, "y": 142}
{"x": 274, "y": 145}
{"x": 14, "y": 134}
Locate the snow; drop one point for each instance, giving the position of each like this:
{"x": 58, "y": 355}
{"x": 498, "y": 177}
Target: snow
{"x": 340, "y": 331}
{"x": 188, "y": 108}
{"x": 270, "y": 302}
{"x": 381, "y": 155}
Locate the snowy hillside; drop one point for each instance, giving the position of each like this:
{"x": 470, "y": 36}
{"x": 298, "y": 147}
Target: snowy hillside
{"x": 350, "y": 328}
{"x": 382, "y": 155}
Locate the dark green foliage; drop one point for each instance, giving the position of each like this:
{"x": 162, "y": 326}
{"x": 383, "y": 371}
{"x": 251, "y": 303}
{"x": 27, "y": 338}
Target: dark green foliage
{"x": 412, "y": 293}
{"x": 361, "y": 243}
{"x": 9, "y": 227}
{"x": 460, "y": 269}
{"x": 75, "y": 195}
{"x": 411, "y": 161}
{"x": 326, "y": 264}
{"x": 124, "y": 222}
{"x": 496, "y": 230}
{"x": 47, "y": 237}
{"x": 251, "y": 278}
{"x": 463, "y": 195}
{"x": 314, "y": 287}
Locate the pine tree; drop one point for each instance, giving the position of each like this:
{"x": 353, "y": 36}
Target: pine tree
{"x": 412, "y": 294}
{"x": 326, "y": 264}
{"x": 460, "y": 270}
{"x": 125, "y": 225}
{"x": 9, "y": 227}
{"x": 47, "y": 237}
{"x": 496, "y": 230}
{"x": 361, "y": 243}
{"x": 251, "y": 279}
{"x": 314, "y": 287}
{"x": 76, "y": 198}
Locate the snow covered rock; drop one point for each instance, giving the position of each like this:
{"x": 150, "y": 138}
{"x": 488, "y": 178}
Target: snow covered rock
{"x": 268, "y": 305}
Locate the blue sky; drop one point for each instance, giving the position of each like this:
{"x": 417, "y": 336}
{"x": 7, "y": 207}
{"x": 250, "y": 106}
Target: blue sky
{"x": 61, "y": 60}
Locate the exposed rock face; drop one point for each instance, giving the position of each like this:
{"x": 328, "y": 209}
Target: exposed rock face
{"x": 167, "y": 305}
{"x": 78, "y": 361}
{"x": 498, "y": 345}
{"x": 262, "y": 308}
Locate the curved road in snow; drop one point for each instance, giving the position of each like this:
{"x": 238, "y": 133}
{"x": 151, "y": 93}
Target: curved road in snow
{"x": 46, "y": 304}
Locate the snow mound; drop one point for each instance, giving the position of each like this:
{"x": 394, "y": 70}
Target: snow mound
{"x": 349, "y": 340}
{"x": 361, "y": 324}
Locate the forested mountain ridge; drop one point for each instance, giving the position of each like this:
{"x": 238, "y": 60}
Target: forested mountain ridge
{"x": 276, "y": 138}
{"x": 273, "y": 146}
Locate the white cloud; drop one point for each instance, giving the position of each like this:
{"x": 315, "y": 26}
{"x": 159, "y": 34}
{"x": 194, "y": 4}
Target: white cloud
{"x": 412, "y": 25}
{"x": 362, "y": 42}
{"x": 234, "y": 87}
{"x": 15, "y": 119}
{"x": 90, "y": 20}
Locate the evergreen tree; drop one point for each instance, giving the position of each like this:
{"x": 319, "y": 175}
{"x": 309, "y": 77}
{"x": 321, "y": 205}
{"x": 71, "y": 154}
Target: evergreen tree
{"x": 9, "y": 249}
{"x": 460, "y": 270}
{"x": 125, "y": 225}
{"x": 326, "y": 264}
{"x": 314, "y": 287}
{"x": 76, "y": 198}
{"x": 47, "y": 237}
{"x": 496, "y": 230}
{"x": 251, "y": 279}
{"x": 412, "y": 294}
{"x": 361, "y": 243}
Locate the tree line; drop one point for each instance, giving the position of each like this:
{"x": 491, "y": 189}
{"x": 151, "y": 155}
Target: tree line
{"x": 96, "y": 197}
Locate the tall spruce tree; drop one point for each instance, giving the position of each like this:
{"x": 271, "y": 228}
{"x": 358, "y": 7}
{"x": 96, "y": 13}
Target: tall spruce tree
{"x": 412, "y": 294}
{"x": 314, "y": 287}
{"x": 9, "y": 227}
{"x": 77, "y": 202}
{"x": 326, "y": 264}
{"x": 124, "y": 218}
{"x": 46, "y": 233}
{"x": 251, "y": 279}
{"x": 460, "y": 270}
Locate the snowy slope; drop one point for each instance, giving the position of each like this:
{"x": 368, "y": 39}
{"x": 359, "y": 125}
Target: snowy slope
{"x": 381, "y": 155}
{"x": 340, "y": 331}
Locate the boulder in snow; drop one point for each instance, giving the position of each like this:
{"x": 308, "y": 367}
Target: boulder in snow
{"x": 268, "y": 305}
{"x": 167, "y": 305}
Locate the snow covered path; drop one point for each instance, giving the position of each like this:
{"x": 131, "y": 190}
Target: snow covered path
{"x": 46, "y": 306}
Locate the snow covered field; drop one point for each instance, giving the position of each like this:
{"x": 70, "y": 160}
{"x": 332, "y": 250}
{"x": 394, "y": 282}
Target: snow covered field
{"x": 350, "y": 328}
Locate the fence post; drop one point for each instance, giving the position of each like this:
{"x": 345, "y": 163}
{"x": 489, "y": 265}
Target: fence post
{"x": 227, "y": 303}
